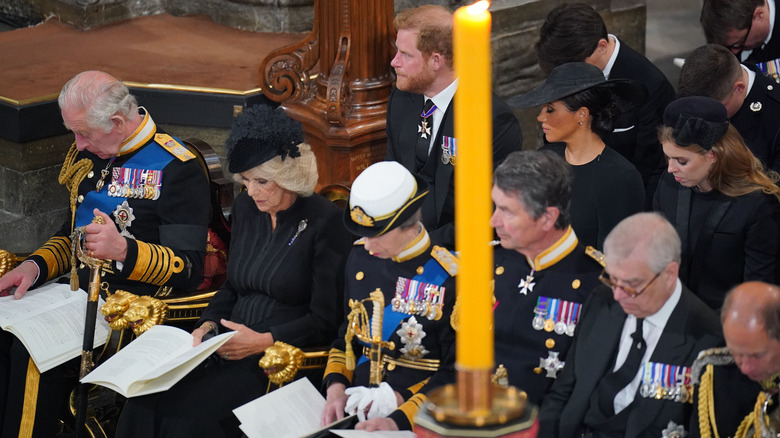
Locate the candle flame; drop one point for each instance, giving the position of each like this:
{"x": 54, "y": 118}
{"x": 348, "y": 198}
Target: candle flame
{"x": 478, "y": 7}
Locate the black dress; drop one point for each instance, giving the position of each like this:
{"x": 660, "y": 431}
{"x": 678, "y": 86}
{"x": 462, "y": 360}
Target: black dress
{"x": 281, "y": 281}
{"x": 605, "y": 191}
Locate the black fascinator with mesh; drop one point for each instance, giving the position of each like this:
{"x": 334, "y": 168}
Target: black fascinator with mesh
{"x": 259, "y": 134}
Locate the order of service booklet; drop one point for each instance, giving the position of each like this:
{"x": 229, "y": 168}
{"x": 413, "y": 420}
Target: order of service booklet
{"x": 154, "y": 361}
{"x": 49, "y": 321}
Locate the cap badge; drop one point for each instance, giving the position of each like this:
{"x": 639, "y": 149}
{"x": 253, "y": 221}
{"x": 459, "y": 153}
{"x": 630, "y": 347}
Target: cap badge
{"x": 360, "y": 217}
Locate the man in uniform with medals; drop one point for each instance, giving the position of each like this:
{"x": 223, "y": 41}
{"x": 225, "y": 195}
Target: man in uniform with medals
{"x": 406, "y": 283}
{"x": 752, "y": 100}
{"x": 152, "y": 196}
{"x": 542, "y": 272}
{"x": 420, "y": 113}
{"x": 737, "y": 392}
{"x": 627, "y": 373}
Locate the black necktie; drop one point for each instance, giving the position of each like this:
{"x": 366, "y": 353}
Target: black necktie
{"x": 424, "y": 132}
{"x": 612, "y": 383}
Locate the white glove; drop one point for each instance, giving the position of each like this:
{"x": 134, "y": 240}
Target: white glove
{"x": 382, "y": 400}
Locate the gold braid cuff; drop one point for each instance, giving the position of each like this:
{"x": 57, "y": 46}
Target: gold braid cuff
{"x": 412, "y": 406}
{"x": 71, "y": 175}
{"x": 155, "y": 264}
{"x": 31, "y": 385}
{"x": 337, "y": 363}
{"x": 414, "y": 389}
{"x": 56, "y": 254}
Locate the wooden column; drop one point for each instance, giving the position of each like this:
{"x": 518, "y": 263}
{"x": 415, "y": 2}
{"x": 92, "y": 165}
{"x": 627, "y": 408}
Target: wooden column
{"x": 336, "y": 82}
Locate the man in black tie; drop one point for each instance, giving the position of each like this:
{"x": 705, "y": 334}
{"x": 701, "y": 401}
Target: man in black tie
{"x": 627, "y": 373}
{"x": 420, "y": 113}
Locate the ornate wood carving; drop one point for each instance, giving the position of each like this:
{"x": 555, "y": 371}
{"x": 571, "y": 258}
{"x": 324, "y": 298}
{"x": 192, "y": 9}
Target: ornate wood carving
{"x": 336, "y": 82}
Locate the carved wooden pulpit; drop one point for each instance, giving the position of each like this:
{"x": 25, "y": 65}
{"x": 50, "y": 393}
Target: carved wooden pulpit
{"x": 336, "y": 82}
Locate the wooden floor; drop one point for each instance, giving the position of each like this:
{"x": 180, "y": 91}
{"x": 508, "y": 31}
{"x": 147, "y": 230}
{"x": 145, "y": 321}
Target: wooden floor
{"x": 162, "y": 49}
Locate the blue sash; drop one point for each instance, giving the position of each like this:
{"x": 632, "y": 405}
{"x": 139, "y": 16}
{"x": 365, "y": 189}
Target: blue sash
{"x": 433, "y": 273}
{"x": 151, "y": 156}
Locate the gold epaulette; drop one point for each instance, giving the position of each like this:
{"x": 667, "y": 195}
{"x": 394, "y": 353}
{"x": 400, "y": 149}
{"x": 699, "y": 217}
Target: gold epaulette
{"x": 596, "y": 255}
{"x": 177, "y": 149}
{"x": 446, "y": 259}
{"x": 715, "y": 356}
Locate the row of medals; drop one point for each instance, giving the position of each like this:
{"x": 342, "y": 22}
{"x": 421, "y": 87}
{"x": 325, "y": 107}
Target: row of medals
{"x": 144, "y": 191}
{"x": 657, "y": 390}
{"x": 419, "y": 307}
{"x": 550, "y": 325}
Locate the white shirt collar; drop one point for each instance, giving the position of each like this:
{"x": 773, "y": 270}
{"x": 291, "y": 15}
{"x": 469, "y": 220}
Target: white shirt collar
{"x": 443, "y": 99}
{"x": 660, "y": 317}
{"x": 751, "y": 78}
{"x": 611, "y": 62}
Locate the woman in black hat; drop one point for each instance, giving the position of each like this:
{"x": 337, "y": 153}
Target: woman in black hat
{"x": 284, "y": 282}
{"x": 722, "y": 202}
{"x": 578, "y": 108}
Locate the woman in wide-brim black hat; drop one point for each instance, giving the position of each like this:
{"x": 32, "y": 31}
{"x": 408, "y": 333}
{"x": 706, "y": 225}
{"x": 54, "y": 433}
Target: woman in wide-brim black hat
{"x": 578, "y": 106}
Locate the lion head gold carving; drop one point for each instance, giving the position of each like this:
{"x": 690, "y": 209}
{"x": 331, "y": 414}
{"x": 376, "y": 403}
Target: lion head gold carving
{"x": 115, "y": 307}
{"x": 144, "y": 313}
{"x": 281, "y": 361}
{"x": 7, "y": 261}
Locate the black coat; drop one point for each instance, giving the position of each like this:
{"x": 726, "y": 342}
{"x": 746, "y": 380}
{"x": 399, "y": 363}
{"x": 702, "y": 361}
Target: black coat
{"x": 640, "y": 145}
{"x": 691, "y": 327}
{"x": 403, "y": 114}
{"x": 739, "y": 240}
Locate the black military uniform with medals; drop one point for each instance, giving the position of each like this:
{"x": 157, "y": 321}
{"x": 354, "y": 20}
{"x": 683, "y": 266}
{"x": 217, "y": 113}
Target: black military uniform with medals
{"x": 538, "y": 304}
{"x": 163, "y": 213}
{"x": 756, "y": 120}
{"x": 725, "y": 395}
{"x": 418, "y": 288}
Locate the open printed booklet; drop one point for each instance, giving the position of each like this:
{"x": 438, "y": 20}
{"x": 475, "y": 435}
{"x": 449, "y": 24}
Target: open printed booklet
{"x": 154, "y": 361}
{"x": 294, "y": 411}
{"x": 49, "y": 321}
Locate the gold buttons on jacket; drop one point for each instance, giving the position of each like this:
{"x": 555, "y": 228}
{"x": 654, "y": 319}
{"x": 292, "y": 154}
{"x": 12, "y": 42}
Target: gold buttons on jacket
{"x": 81, "y": 198}
{"x": 576, "y": 283}
{"x": 549, "y": 343}
{"x": 359, "y": 276}
{"x": 538, "y": 370}
{"x": 420, "y": 270}
{"x": 499, "y": 270}
{"x": 90, "y": 174}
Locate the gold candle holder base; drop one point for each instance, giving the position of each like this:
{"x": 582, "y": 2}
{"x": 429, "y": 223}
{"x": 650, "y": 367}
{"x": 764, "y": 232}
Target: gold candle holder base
{"x": 523, "y": 426}
{"x": 507, "y": 404}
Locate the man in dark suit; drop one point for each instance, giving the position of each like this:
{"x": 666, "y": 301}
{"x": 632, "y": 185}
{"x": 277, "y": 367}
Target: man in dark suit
{"x": 420, "y": 113}
{"x": 734, "y": 378}
{"x": 575, "y": 32}
{"x": 626, "y": 374}
{"x": 746, "y": 27}
{"x": 752, "y": 100}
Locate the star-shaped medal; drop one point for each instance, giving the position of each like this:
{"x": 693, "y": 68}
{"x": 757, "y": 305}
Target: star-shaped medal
{"x": 424, "y": 130}
{"x": 527, "y": 284}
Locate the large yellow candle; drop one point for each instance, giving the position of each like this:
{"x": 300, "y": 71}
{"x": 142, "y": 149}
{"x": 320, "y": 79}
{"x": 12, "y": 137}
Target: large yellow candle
{"x": 473, "y": 181}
